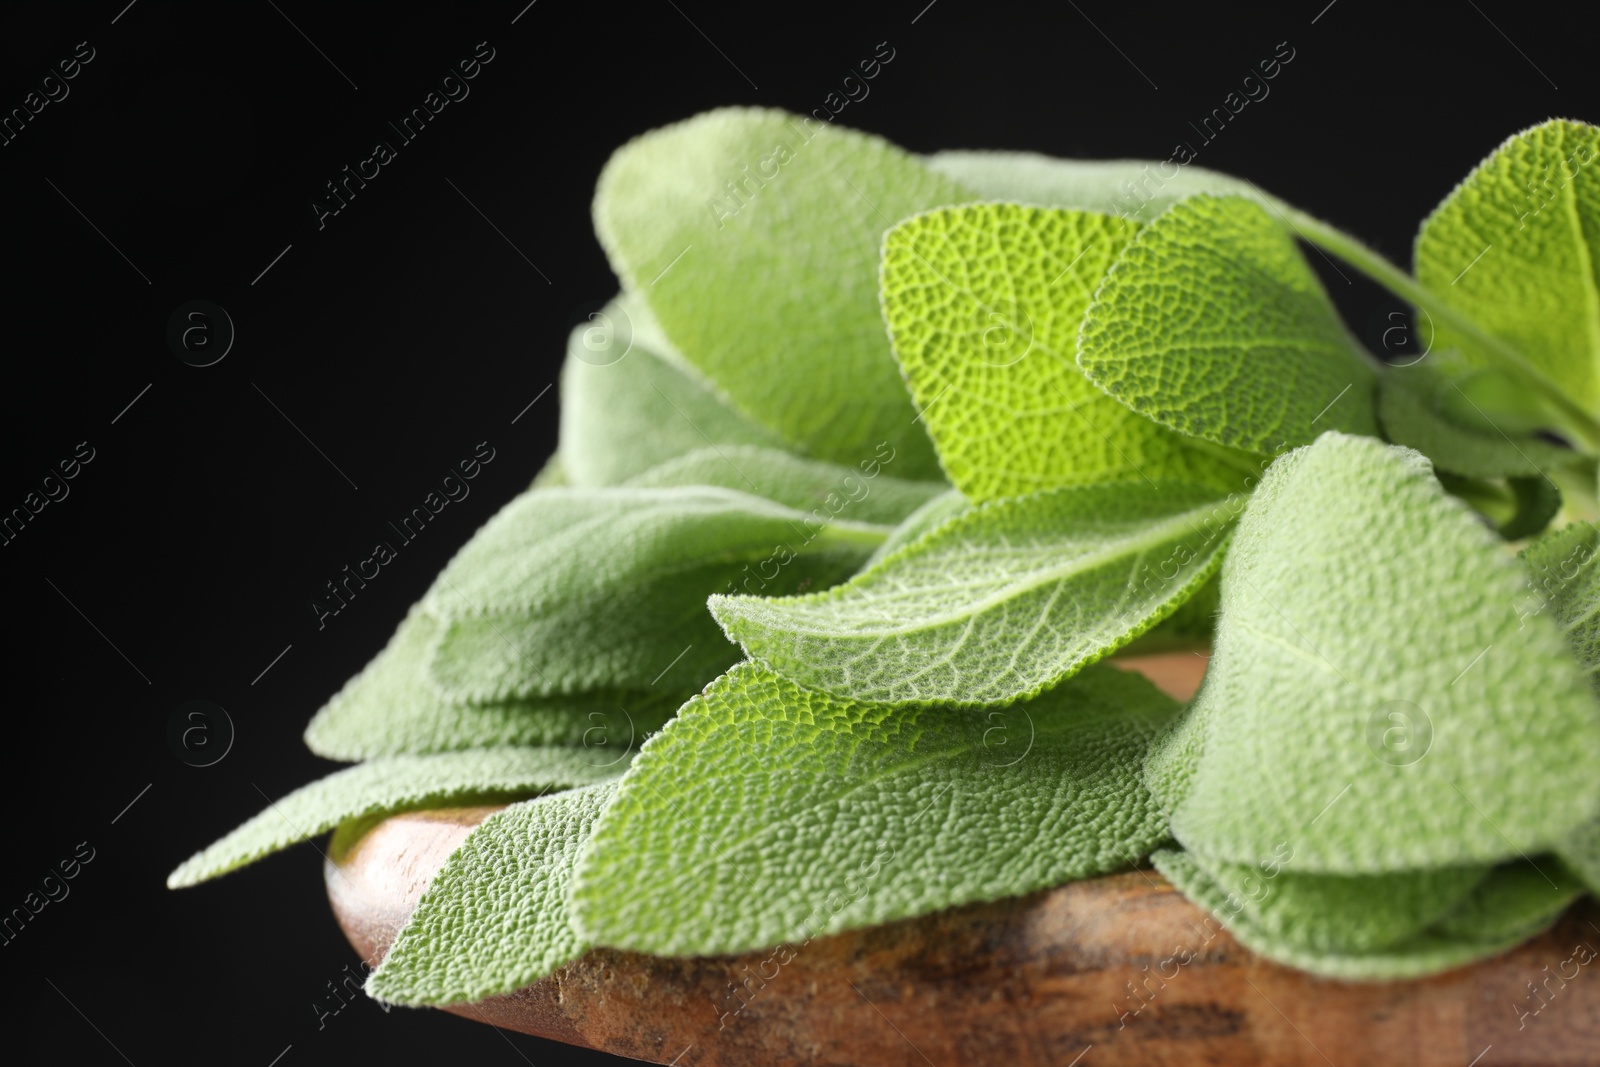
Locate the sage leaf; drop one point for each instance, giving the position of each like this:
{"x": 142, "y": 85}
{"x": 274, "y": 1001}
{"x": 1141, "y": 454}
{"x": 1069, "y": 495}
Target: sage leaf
{"x": 495, "y": 918}
{"x": 752, "y": 231}
{"x": 824, "y": 491}
{"x": 1213, "y": 324}
{"x": 392, "y": 708}
{"x": 1340, "y": 913}
{"x": 1125, "y": 188}
{"x": 1366, "y": 700}
{"x": 569, "y": 591}
{"x": 386, "y": 786}
{"x": 983, "y": 304}
{"x": 1514, "y": 247}
{"x": 999, "y": 603}
{"x": 1566, "y": 583}
{"x": 625, "y": 407}
{"x": 767, "y": 813}
{"x": 1510, "y": 904}
{"x": 1422, "y": 409}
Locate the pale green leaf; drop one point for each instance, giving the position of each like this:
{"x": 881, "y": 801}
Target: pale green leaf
{"x": 626, "y": 407}
{"x": 824, "y": 491}
{"x": 983, "y": 304}
{"x": 1508, "y": 906}
{"x": 1367, "y": 701}
{"x": 754, "y": 235}
{"x": 494, "y": 918}
{"x": 392, "y": 708}
{"x": 1566, "y": 580}
{"x": 1339, "y": 913}
{"x": 768, "y": 813}
{"x": 1514, "y": 248}
{"x": 1566, "y": 575}
{"x": 1422, "y": 409}
{"x": 1000, "y": 603}
{"x": 1128, "y": 188}
{"x": 386, "y": 786}
{"x": 1212, "y": 323}
{"x": 573, "y": 590}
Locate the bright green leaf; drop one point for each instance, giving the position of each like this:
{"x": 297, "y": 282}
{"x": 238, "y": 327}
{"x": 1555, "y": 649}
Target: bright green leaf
{"x": 754, "y": 235}
{"x": 983, "y": 305}
{"x": 494, "y": 918}
{"x": 825, "y": 491}
{"x": 1514, "y": 247}
{"x": 1509, "y": 905}
{"x": 1128, "y": 188}
{"x": 1000, "y": 603}
{"x": 572, "y": 590}
{"x": 1213, "y": 324}
{"x": 1367, "y": 702}
{"x": 625, "y": 407}
{"x": 386, "y": 786}
{"x": 392, "y": 708}
{"x": 768, "y": 813}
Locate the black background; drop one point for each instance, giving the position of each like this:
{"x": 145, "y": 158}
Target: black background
{"x": 415, "y": 325}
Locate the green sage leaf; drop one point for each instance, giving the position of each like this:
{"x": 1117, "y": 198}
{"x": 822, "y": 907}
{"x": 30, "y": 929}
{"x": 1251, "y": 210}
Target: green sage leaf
{"x": 767, "y": 813}
{"x": 570, "y": 591}
{"x": 386, "y": 786}
{"x": 1367, "y": 698}
{"x": 751, "y": 231}
{"x": 495, "y": 917}
{"x": 1213, "y": 324}
{"x": 1000, "y": 603}
{"x": 983, "y": 304}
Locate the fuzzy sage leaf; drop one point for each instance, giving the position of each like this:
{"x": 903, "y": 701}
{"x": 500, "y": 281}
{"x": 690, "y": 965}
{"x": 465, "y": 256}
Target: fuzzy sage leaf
{"x": 1000, "y": 603}
{"x": 1211, "y": 323}
{"x": 767, "y": 813}
{"x": 1365, "y": 702}
{"x": 983, "y": 305}
{"x": 495, "y": 916}
{"x": 382, "y": 787}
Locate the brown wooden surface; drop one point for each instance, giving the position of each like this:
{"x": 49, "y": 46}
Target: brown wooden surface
{"x": 1037, "y": 981}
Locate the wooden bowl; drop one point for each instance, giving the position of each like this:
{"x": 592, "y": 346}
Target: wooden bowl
{"x": 1087, "y": 974}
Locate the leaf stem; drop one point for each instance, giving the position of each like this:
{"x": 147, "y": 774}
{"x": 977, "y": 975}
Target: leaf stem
{"x": 1397, "y": 281}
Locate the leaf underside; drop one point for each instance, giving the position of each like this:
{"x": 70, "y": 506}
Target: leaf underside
{"x": 386, "y": 786}
{"x": 999, "y": 603}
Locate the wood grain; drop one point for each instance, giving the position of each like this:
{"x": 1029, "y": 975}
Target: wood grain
{"x": 1088, "y": 974}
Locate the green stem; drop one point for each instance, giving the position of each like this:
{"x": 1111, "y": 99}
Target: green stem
{"x": 1576, "y": 419}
